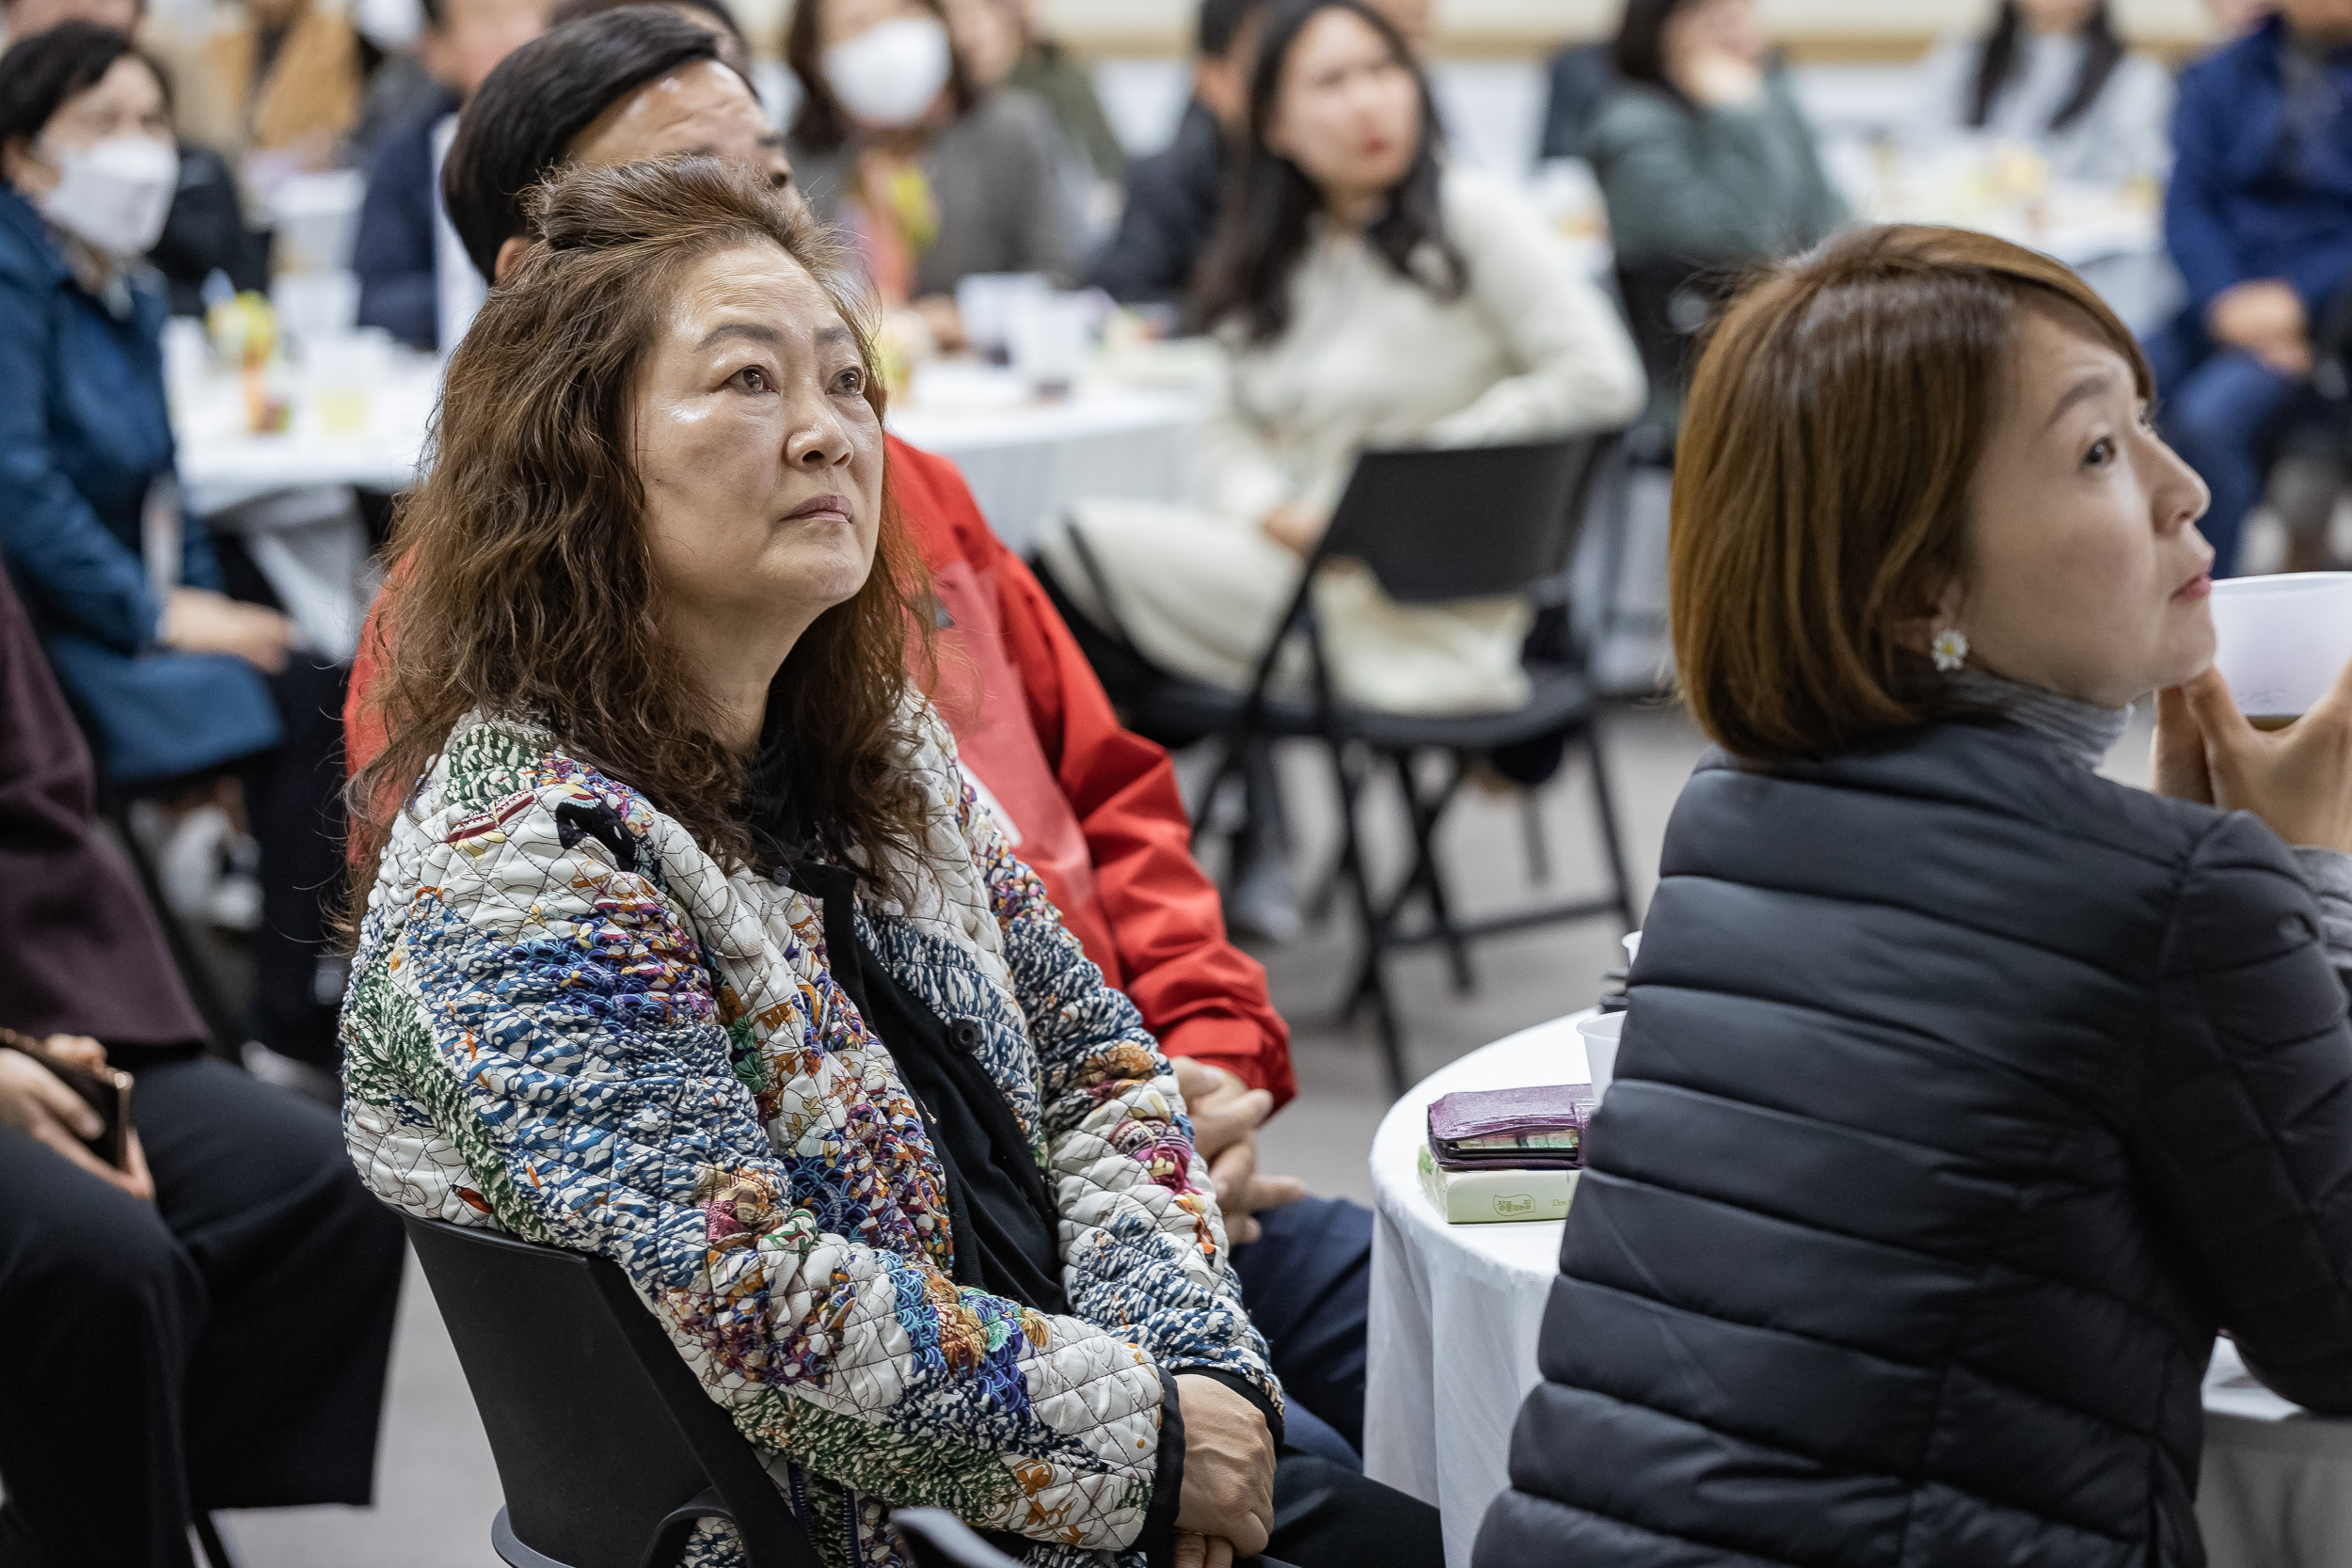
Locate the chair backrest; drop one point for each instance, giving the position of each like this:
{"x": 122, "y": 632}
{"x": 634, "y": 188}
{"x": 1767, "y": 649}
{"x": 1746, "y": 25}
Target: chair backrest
{"x": 600, "y": 1433}
{"x": 1445, "y": 522}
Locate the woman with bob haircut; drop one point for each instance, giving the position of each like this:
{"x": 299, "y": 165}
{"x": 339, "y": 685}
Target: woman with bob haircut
{"x": 690, "y": 947}
{"x": 1964, "y": 1094}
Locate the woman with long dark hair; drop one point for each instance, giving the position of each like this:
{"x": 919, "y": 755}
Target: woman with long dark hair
{"x": 2052, "y": 75}
{"x": 1366, "y": 292}
{"x": 690, "y": 945}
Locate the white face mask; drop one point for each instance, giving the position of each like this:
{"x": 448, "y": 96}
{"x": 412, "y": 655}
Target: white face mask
{"x": 114, "y": 194}
{"x": 888, "y": 75}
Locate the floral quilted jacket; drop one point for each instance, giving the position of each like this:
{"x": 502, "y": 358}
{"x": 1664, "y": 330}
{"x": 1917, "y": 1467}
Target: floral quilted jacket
{"x": 567, "y": 1020}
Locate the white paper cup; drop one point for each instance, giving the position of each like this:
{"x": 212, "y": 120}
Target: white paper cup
{"x": 2281, "y": 642}
{"x": 1599, "y": 1034}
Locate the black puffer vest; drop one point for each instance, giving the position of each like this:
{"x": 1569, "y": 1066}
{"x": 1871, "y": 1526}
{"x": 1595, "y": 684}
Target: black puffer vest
{"x": 1964, "y": 1094}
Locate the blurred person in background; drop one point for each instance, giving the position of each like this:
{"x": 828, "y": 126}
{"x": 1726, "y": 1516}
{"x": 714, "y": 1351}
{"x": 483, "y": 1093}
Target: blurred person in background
{"x": 1094, "y": 808}
{"x": 177, "y": 683}
{"x": 273, "y": 84}
{"x": 2258, "y": 221}
{"x": 1964, "y": 1093}
{"x": 2052, "y": 75}
{"x": 1172, "y": 197}
{"x": 932, "y": 180}
{"x": 1578, "y": 82}
{"x": 1048, "y": 73}
{"x": 208, "y": 1325}
{"x": 205, "y": 231}
{"x": 1707, "y": 165}
{"x": 1366, "y": 293}
{"x": 395, "y": 250}
{"x": 988, "y": 37}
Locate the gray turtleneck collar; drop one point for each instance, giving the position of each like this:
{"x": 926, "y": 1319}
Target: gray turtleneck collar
{"x": 2083, "y": 731}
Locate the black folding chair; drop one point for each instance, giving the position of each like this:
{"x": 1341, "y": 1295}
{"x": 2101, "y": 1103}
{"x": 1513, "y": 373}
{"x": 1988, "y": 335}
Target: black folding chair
{"x": 607, "y": 1447}
{"x": 1433, "y": 527}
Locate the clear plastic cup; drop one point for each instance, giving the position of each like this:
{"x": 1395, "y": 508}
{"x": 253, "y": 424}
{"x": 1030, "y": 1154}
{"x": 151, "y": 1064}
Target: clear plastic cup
{"x": 1599, "y": 1034}
{"x": 2282, "y": 641}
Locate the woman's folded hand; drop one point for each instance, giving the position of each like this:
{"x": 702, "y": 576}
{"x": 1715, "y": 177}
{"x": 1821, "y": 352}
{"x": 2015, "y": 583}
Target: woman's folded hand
{"x": 198, "y": 621}
{"x": 2299, "y": 779}
{"x": 1229, "y": 1466}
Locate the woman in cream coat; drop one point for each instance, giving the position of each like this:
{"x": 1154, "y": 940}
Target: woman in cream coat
{"x": 1368, "y": 295}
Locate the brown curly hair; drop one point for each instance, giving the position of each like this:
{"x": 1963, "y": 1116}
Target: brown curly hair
{"x": 526, "y": 583}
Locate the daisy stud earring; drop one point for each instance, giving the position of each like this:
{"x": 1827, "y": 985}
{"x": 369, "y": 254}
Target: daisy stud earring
{"x": 1949, "y": 650}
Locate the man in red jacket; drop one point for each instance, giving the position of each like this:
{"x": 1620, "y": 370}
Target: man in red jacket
{"x": 1092, "y": 807}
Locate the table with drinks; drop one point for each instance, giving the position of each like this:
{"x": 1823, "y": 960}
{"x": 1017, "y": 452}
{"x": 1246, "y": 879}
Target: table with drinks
{"x": 1457, "y": 1307}
{"x": 354, "y": 409}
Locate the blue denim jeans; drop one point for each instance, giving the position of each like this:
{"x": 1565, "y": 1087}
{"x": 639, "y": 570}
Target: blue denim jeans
{"x": 2220, "y": 408}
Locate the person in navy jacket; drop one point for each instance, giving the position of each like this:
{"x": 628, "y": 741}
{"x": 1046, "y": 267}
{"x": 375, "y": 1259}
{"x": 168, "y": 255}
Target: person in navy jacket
{"x": 175, "y": 683}
{"x": 2259, "y": 220}
{"x": 170, "y": 681}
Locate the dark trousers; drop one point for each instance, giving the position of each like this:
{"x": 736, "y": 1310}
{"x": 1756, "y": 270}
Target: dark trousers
{"x": 2220, "y": 408}
{"x": 1308, "y": 1282}
{"x": 294, "y": 801}
{"x": 223, "y": 1347}
{"x": 1328, "y": 1516}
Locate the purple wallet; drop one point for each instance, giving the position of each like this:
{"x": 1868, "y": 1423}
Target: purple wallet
{"x": 1537, "y": 1128}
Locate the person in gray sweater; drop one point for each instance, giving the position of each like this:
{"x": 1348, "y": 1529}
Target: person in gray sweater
{"x": 932, "y": 180}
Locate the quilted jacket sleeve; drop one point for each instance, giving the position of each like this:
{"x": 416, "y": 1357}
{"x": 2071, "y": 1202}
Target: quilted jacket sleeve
{"x": 1143, "y": 1243}
{"x": 2246, "y": 1123}
{"x": 543, "y": 1004}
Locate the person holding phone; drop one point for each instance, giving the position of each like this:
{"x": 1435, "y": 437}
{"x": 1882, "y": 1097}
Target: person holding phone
{"x": 207, "y": 1324}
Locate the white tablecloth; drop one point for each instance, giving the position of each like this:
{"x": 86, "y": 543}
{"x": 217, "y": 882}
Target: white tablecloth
{"x": 1028, "y": 462}
{"x": 1024, "y": 459}
{"x": 1456, "y": 1309}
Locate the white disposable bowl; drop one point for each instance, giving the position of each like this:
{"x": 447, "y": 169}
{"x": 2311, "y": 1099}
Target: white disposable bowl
{"x": 1599, "y": 1034}
{"x": 2281, "y": 642}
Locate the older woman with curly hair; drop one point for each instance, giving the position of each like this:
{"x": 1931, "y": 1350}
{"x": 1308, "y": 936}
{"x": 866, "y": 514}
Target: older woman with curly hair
{"x": 685, "y": 943}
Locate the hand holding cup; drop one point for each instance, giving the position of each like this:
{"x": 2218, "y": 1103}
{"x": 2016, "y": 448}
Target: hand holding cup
{"x": 2298, "y": 779}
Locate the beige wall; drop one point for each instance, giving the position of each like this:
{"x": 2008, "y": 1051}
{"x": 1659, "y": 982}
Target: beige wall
{"x": 1476, "y": 27}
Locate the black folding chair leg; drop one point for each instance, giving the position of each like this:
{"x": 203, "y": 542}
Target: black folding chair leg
{"x": 1427, "y": 878}
{"x": 1615, "y": 539}
{"x": 1325, "y": 896}
{"x": 1531, "y": 835}
{"x": 1371, "y": 982}
{"x": 208, "y": 1537}
{"x": 1605, "y": 812}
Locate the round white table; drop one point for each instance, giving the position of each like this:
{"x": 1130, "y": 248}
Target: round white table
{"x": 1024, "y": 458}
{"x": 1456, "y": 1310}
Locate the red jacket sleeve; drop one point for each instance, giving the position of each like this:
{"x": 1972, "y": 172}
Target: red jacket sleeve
{"x": 1201, "y": 996}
